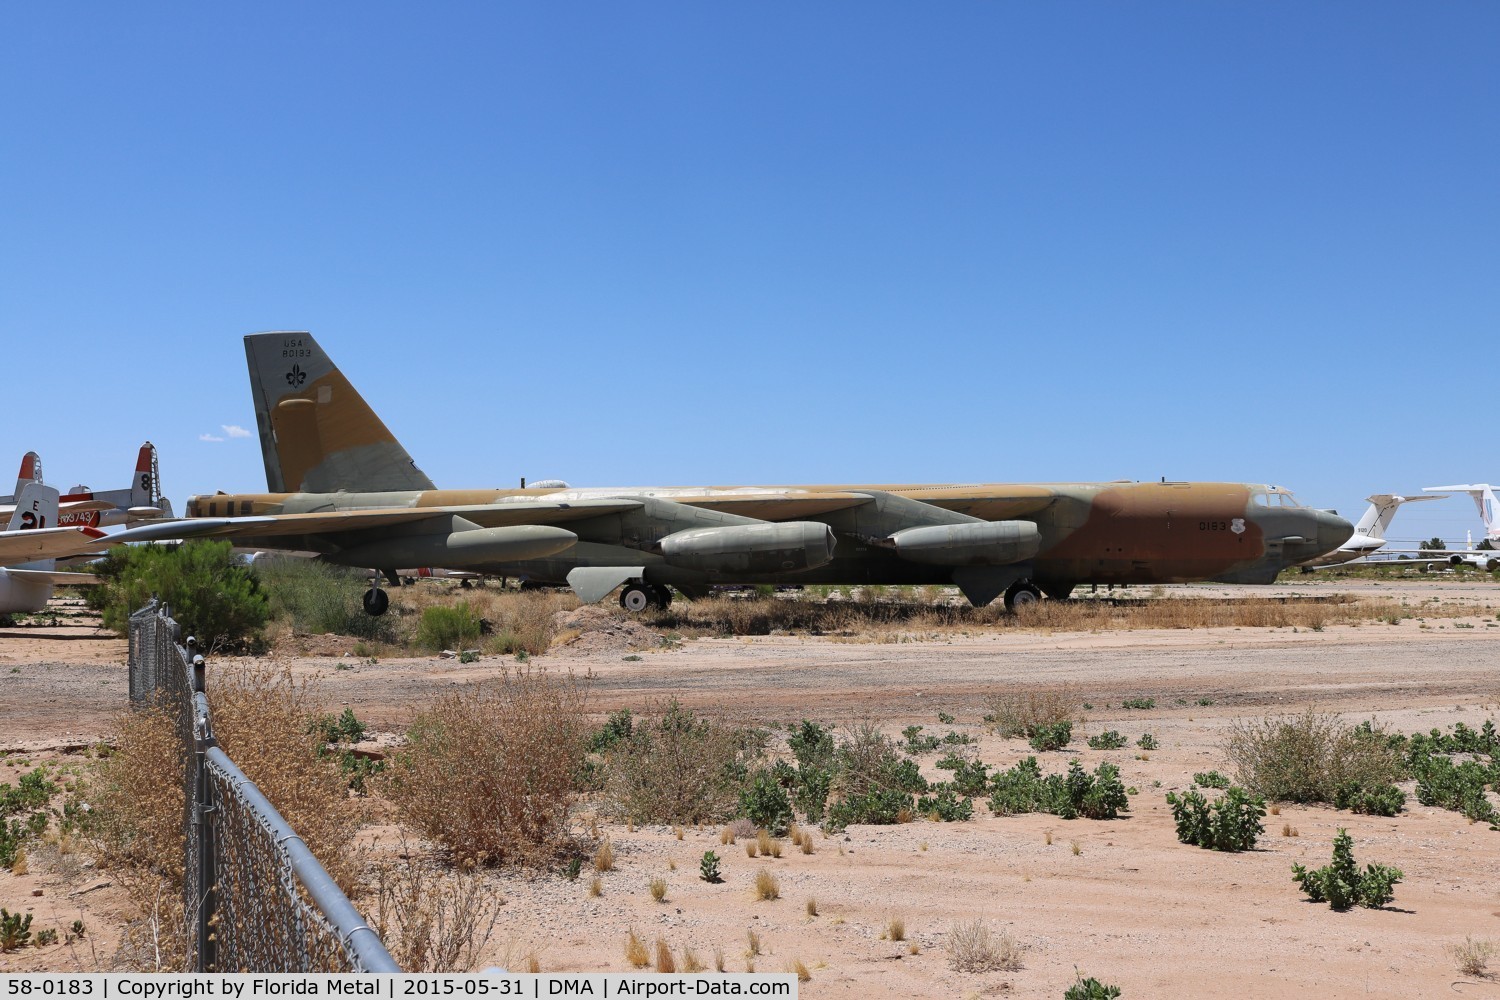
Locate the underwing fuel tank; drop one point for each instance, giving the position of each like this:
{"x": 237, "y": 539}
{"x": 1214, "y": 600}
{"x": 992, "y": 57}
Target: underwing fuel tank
{"x": 460, "y": 549}
{"x": 751, "y": 548}
{"x": 981, "y": 543}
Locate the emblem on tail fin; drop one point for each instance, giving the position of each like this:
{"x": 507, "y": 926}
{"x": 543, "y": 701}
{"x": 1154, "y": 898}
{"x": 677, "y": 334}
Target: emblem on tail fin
{"x": 296, "y": 376}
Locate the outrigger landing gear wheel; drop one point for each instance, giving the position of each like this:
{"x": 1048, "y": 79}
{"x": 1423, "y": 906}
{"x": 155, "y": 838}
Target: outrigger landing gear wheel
{"x": 376, "y": 601}
{"x": 1022, "y": 594}
{"x": 637, "y": 597}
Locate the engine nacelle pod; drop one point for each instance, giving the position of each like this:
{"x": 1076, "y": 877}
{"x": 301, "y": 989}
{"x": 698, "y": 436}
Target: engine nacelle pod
{"x": 974, "y": 543}
{"x": 751, "y": 548}
{"x": 475, "y": 548}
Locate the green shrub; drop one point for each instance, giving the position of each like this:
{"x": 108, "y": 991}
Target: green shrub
{"x": 678, "y": 768}
{"x": 15, "y": 930}
{"x": 971, "y": 779}
{"x": 1382, "y": 800}
{"x": 1230, "y": 823}
{"x": 1460, "y": 787}
{"x": 1090, "y": 989}
{"x": 917, "y": 743}
{"x": 1342, "y": 884}
{"x": 210, "y": 592}
{"x": 810, "y": 794}
{"x": 879, "y": 806}
{"x": 1107, "y": 740}
{"x": 617, "y": 727}
{"x": 765, "y": 803}
{"x": 812, "y": 745}
{"x": 1022, "y": 789}
{"x": 444, "y": 627}
{"x": 1051, "y": 736}
{"x": 315, "y": 598}
{"x": 1308, "y": 757}
{"x": 946, "y": 805}
{"x": 708, "y": 868}
{"x": 1146, "y": 742}
{"x": 1141, "y": 703}
{"x": 1211, "y": 779}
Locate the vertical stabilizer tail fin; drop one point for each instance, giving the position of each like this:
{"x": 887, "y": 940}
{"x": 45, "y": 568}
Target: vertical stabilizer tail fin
{"x": 36, "y": 507}
{"x": 145, "y": 485}
{"x": 31, "y": 472}
{"x": 1383, "y": 506}
{"x": 317, "y": 434}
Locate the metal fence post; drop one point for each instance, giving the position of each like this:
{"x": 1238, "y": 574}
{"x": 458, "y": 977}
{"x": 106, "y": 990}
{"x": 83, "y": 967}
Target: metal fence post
{"x": 203, "y": 807}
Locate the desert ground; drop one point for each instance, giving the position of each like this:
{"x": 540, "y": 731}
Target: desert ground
{"x": 1122, "y": 900}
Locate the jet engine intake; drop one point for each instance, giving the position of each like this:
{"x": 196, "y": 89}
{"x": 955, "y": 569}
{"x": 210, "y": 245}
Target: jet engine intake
{"x": 751, "y": 548}
{"x": 459, "y": 549}
{"x": 976, "y": 543}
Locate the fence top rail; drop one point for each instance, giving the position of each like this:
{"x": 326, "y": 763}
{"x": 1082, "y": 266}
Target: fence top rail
{"x": 358, "y": 937}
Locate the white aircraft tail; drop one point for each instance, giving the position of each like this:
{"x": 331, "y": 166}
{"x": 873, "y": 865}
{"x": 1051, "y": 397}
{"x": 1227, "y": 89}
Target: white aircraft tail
{"x": 36, "y": 507}
{"x": 1483, "y": 495}
{"x": 31, "y": 472}
{"x": 1377, "y": 520}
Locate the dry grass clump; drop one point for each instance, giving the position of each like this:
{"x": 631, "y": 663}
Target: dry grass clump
{"x": 766, "y": 886}
{"x": 137, "y": 799}
{"x": 1472, "y": 955}
{"x": 596, "y": 886}
{"x": 973, "y": 947}
{"x": 895, "y": 929}
{"x": 718, "y": 959}
{"x": 635, "y": 952}
{"x": 1305, "y": 758}
{"x": 797, "y": 966}
{"x": 690, "y": 960}
{"x": 726, "y": 835}
{"x": 604, "y": 856}
{"x": 812, "y": 906}
{"x": 752, "y": 942}
{"x": 676, "y": 768}
{"x": 260, "y": 718}
{"x": 752, "y": 849}
{"x": 504, "y": 621}
{"x": 878, "y": 616}
{"x": 658, "y": 888}
{"x": 804, "y": 841}
{"x": 432, "y": 920}
{"x": 490, "y": 773}
{"x": 664, "y": 962}
{"x": 1018, "y": 712}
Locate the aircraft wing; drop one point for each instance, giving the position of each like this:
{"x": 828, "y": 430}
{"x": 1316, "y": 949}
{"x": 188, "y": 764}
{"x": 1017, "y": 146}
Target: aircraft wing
{"x": 339, "y": 522}
{"x": 57, "y": 578}
{"x": 774, "y": 506}
{"x": 28, "y": 545}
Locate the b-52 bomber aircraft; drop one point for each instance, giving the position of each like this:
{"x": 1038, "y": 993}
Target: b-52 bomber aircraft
{"x": 340, "y": 484}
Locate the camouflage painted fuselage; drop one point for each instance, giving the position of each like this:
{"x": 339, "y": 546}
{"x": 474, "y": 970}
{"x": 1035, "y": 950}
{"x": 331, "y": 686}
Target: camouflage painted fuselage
{"x": 1110, "y": 533}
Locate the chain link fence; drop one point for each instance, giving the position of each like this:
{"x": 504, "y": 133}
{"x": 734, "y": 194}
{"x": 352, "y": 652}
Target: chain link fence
{"x": 255, "y": 897}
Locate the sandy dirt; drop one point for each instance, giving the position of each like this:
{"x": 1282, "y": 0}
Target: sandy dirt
{"x": 1121, "y": 900}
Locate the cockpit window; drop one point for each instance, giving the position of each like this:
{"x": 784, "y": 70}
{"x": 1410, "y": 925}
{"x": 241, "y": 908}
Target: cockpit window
{"x": 1275, "y": 496}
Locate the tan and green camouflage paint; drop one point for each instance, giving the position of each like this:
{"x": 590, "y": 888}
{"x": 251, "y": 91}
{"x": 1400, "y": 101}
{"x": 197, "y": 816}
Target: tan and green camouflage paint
{"x": 321, "y": 441}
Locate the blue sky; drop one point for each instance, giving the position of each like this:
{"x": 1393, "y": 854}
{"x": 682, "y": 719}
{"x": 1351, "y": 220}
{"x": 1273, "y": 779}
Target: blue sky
{"x": 661, "y": 243}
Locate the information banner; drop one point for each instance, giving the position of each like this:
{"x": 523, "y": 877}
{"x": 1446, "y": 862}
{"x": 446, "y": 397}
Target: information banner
{"x": 404, "y": 986}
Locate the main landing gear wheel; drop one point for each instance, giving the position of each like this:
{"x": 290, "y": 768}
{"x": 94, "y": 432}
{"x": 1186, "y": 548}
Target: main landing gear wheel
{"x": 376, "y": 601}
{"x": 637, "y": 597}
{"x": 1021, "y": 595}
{"x": 661, "y": 596}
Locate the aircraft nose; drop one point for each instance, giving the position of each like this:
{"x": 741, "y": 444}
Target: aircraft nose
{"x": 1333, "y": 531}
